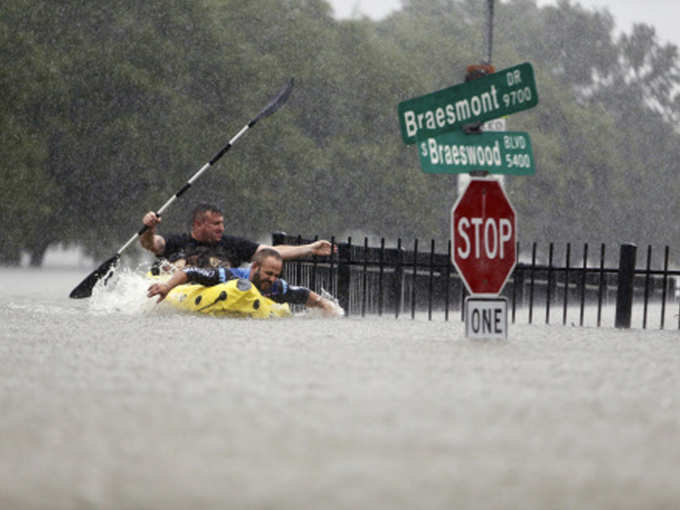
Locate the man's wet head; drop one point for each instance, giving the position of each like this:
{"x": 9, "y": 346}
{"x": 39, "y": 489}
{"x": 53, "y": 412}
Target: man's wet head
{"x": 207, "y": 223}
{"x": 266, "y": 268}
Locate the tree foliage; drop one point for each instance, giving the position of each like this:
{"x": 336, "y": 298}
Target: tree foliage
{"x": 106, "y": 108}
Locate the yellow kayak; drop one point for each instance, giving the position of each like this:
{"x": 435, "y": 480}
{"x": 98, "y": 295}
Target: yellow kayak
{"x": 235, "y": 298}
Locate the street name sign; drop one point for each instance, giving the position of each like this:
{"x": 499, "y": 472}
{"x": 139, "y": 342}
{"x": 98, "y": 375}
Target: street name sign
{"x": 455, "y": 152}
{"x": 486, "y": 318}
{"x": 495, "y": 95}
{"x": 483, "y": 237}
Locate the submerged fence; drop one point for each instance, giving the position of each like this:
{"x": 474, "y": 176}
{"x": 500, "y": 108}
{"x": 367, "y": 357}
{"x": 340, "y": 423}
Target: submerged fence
{"x": 405, "y": 282}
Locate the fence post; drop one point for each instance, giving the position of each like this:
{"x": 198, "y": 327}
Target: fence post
{"x": 624, "y": 291}
{"x": 398, "y": 280}
{"x": 518, "y": 286}
{"x": 344, "y": 275}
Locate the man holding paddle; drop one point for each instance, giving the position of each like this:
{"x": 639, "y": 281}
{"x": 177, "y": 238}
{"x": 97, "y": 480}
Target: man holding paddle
{"x": 207, "y": 245}
{"x": 103, "y": 272}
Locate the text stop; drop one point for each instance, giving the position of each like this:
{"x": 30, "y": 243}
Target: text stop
{"x": 485, "y": 237}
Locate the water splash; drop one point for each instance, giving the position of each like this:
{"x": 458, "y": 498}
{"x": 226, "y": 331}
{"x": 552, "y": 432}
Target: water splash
{"x": 336, "y": 304}
{"x": 314, "y": 313}
{"x": 122, "y": 291}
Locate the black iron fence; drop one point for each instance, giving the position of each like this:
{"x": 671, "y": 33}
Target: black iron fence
{"x": 581, "y": 289}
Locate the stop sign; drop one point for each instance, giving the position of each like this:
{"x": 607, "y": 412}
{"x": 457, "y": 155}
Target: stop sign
{"x": 483, "y": 237}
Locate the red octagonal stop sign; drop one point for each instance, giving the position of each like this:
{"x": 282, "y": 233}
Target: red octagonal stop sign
{"x": 483, "y": 237}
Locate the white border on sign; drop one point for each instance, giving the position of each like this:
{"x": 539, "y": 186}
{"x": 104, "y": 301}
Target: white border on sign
{"x": 503, "y": 302}
{"x": 453, "y": 244}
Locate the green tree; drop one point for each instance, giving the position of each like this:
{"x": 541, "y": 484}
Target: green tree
{"x": 108, "y": 107}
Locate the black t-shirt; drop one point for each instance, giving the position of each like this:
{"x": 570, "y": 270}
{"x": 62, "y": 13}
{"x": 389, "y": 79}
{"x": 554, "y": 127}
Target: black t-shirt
{"x": 229, "y": 251}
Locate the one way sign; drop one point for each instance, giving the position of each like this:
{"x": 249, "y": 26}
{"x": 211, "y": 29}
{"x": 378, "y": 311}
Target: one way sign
{"x": 486, "y": 317}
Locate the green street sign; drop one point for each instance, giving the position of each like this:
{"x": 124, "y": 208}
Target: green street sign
{"x": 495, "y": 95}
{"x": 497, "y": 152}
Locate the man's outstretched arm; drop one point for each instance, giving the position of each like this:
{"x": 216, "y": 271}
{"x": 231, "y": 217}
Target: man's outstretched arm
{"x": 204, "y": 276}
{"x": 290, "y": 251}
{"x": 162, "y": 289}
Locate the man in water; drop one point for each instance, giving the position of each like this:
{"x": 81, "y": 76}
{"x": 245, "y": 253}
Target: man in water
{"x": 263, "y": 273}
{"x": 207, "y": 245}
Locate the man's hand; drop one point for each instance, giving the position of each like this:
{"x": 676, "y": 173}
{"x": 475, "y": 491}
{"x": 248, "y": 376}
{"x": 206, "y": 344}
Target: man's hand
{"x": 296, "y": 251}
{"x": 151, "y": 219}
{"x": 322, "y": 247}
{"x": 162, "y": 289}
{"x": 158, "y": 289}
{"x": 328, "y": 307}
{"x": 149, "y": 240}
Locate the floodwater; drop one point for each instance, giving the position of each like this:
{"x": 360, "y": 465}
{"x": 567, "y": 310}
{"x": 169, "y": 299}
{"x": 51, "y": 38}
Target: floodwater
{"x": 114, "y": 403}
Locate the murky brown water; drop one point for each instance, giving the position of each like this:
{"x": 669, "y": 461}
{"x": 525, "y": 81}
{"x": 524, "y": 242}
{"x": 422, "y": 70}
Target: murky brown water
{"x": 111, "y": 403}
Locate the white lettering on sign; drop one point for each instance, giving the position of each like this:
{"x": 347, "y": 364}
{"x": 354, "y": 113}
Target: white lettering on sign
{"x": 489, "y": 237}
{"x": 517, "y": 97}
{"x": 513, "y": 77}
{"x": 473, "y": 155}
{"x": 440, "y": 117}
{"x": 410, "y": 122}
{"x": 452, "y": 112}
{"x": 514, "y": 142}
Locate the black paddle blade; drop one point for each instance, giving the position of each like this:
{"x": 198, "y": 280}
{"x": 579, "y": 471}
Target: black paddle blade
{"x": 84, "y": 288}
{"x": 275, "y": 103}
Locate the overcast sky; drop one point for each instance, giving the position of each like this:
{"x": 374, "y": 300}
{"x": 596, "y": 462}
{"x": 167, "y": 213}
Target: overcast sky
{"x": 664, "y": 15}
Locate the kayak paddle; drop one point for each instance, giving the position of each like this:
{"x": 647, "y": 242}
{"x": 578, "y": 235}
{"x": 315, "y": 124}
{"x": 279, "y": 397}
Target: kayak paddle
{"x": 84, "y": 288}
